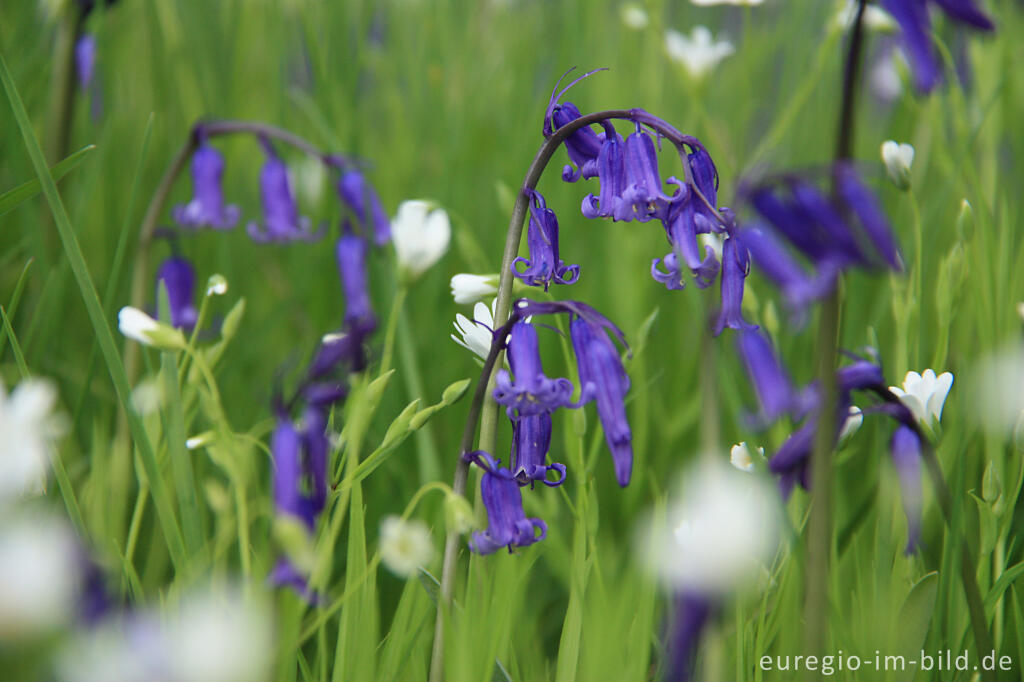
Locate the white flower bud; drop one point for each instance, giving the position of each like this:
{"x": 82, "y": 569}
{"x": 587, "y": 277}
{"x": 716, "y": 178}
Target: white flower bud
{"x": 898, "y": 158}
{"x": 217, "y": 285}
{"x": 404, "y": 545}
{"x": 139, "y": 326}
{"x": 467, "y": 288}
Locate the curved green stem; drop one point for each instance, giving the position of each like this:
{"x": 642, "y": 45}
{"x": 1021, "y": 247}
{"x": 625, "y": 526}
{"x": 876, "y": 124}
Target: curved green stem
{"x": 488, "y": 418}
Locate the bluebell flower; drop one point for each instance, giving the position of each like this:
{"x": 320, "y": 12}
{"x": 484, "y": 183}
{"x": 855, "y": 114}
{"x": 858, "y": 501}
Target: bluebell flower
{"x": 584, "y": 145}
{"x": 735, "y": 267}
{"x": 289, "y": 473}
{"x": 179, "y": 279}
{"x": 643, "y": 196}
{"x": 915, "y": 24}
{"x": 285, "y": 574}
{"x": 334, "y": 351}
{"x": 774, "y": 389}
{"x": 611, "y": 174}
{"x": 85, "y": 59}
{"x": 281, "y": 219}
{"x": 508, "y": 525}
{"x": 544, "y": 265}
{"x": 530, "y": 392}
{"x": 351, "y": 254}
{"x": 362, "y": 200}
{"x": 207, "y": 205}
{"x": 531, "y": 440}
{"x": 690, "y": 613}
{"x": 316, "y": 446}
{"x": 683, "y": 222}
{"x": 906, "y": 456}
{"x": 603, "y": 379}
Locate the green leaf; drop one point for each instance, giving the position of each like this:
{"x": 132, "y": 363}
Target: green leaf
{"x": 916, "y": 616}
{"x": 12, "y": 198}
{"x": 431, "y": 584}
{"x": 1000, "y": 586}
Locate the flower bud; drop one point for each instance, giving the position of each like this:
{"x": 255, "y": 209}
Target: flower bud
{"x": 139, "y": 326}
{"x": 898, "y": 158}
{"x": 468, "y": 288}
{"x": 421, "y": 232}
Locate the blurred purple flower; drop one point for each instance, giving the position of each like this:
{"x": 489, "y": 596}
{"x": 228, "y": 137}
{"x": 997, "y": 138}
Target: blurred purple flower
{"x": 906, "y": 456}
{"x": 281, "y": 219}
{"x": 362, "y": 200}
{"x": 179, "y": 278}
{"x": 85, "y": 60}
{"x": 689, "y": 615}
{"x": 207, "y": 205}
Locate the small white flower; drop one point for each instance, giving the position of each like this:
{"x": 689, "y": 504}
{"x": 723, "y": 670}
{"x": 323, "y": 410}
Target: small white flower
{"x": 715, "y": 241}
{"x": 854, "y": 418}
{"x": 478, "y": 332}
{"x": 711, "y": 3}
{"x": 217, "y": 285}
{"x": 404, "y": 545}
{"x": 996, "y": 393}
{"x": 716, "y": 538}
{"x": 39, "y": 576}
{"x": 898, "y": 158}
{"x": 139, "y": 326}
{"x": 309, "y": 178}
{"x": 467, "y": 288}
{"x": 924, "y": 394}
{"x": 421, "y": 232}
{"x": 28, "y": 426}
{"x": 741, "y": 457}
{"x": 634, "y": 16}
{"x": 875, "y": 17}
{"x": 698, "y": 52}
{"x": 886, "y": 82}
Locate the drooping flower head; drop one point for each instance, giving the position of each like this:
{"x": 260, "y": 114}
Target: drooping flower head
{"x": 508, "y": 525}
{"x": 351, "y": 254}
{"x": 281, "y": 219}
{"x": 178, "y": 277}
{"x": 206, "y": 209}
{"x": 85, "y": 60}
{"x": 833, "y": 233}
{"x": 530, "y": 392}
{"x": 544, "y": 265}
{"x": 915, "y": 24}
{"x": 584, "y": 145}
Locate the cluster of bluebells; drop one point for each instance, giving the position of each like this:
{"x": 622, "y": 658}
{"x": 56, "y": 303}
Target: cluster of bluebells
{"x": 833, "y": 231}
{"x": 300, "y": 447}
{"x": 530, "y": 397}
{"x": 631, "y": 188}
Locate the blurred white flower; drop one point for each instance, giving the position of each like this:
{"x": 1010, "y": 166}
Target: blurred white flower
{"x": 476, "y": 333}
{"x": 875, "y": 17}
{"x": 741, "y": 457}
{"x": 467, "y": 288}
{"x": 211, "y": 636}
{"x": 148, "y": 396}
{"x": 28, "y": 426}
{"x": 634, "y": 16}
{"x": 854, "y": 418}
{"x": 924, "y": 394}
{"x": 39, "y": 575}
{"x": 309, "y": 178}
{"x": 886, "y": 82}
{"x": 898, "y": 158}
{"x": 718, "y": 535}
{"x": 715, "y": 241}
{"x": 698, "y": 52}
{"x": 404, "y": 545}
{"x": 1020, "y": 311}
{"x": 997, "y": 390}
{"x": 421, "y": 232}
{"x": 217, "y": 285}
{"x": 138, "y": 326}
{"x": 710, "y": 3}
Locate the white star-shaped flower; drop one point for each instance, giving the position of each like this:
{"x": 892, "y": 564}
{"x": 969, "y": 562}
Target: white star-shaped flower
{"x": 476, "y": 333}
{"x": 698, "y": 52}
{"x": 924, "y": 394}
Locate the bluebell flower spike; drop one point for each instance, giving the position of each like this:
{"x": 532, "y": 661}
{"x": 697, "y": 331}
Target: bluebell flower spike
{"x": 544, "y": 265}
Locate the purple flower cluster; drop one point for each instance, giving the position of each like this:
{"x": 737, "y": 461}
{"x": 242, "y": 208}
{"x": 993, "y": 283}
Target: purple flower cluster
{"x": 915, "y": 25}
{"x": 833, "y": 232}
{"x": 778, "y": 397}
{"x": 631, "y": 187}
{"x": 530, "y": 397}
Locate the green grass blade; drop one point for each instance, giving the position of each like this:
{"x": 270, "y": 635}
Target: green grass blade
{"x": 165, "y": 513}
{"x": 12, "y": 198}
